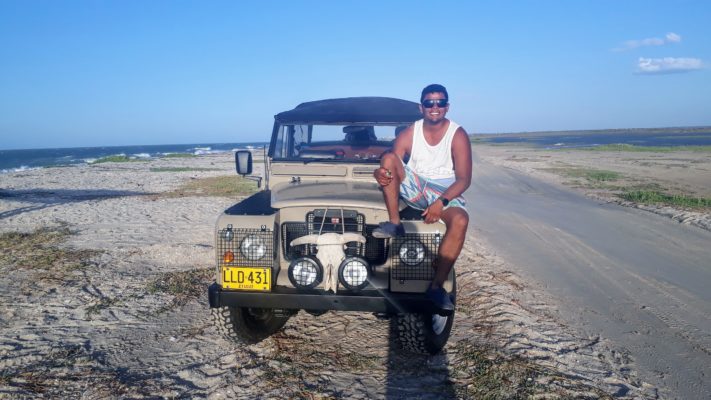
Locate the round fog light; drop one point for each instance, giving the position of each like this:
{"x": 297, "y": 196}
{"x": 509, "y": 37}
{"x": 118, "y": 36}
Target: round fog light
{"x": 412, "y": 252}
{"x": 353, "y": 273}
{"x": 305, "y": 273}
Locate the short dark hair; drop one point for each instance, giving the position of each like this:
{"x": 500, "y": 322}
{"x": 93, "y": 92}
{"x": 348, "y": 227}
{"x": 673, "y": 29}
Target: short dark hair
{"x": 434, "y": 88}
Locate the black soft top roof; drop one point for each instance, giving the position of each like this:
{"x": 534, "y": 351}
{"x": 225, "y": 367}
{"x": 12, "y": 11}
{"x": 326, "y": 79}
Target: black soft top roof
{"x": 352, "y": 110}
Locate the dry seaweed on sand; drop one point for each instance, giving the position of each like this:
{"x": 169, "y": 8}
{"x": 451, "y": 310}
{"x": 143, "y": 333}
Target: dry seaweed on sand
{"x": 43, "y": 250}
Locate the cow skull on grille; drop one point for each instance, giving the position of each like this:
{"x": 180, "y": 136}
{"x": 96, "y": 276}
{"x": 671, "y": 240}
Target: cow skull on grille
{"x": 330, "y": 253}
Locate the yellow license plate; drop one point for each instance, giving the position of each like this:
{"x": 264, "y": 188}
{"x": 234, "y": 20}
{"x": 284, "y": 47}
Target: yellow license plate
{"x": 246, "y": 278}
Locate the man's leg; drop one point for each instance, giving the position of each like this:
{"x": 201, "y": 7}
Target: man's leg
{"x": 391, "y": 192}
{"x": 456, "y": 219}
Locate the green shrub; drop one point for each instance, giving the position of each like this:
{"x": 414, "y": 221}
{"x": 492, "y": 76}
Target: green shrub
{"x": 220, "y": 186}
{"x": 181, "y": 169}
{"x": 652, "y": 149}
{"x": 656, "y": 197}
{"x": 180, "y": 155}
{"x": 596, "y": 175}
{"x": 119, "y": 158}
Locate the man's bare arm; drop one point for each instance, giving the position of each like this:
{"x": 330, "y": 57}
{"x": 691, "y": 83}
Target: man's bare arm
{"x": 401, "y": 147}
{"x": 462, "y": 158}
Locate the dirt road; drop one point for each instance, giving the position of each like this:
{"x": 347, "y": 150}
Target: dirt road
{"x": 638, "y": 279}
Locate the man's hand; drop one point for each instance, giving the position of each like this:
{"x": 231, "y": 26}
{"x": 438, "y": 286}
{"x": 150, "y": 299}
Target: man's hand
{"x": 383, "y": 176}
{"x": 433, "y": 212}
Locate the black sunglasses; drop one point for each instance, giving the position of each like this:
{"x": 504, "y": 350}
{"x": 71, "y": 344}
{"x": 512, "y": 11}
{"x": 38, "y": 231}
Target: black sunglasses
{"x": 428, "y": 103}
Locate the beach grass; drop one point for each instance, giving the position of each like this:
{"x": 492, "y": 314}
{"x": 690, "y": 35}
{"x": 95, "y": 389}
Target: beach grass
{"x": 218, "y": 186}
{"x": 657, "y": 197}
{"x": 182, "y": 169}
{"x": 590, "y": 174}
{"x": 486, "y": 142}
{"x": 179, "y": 155}
{"x": 117, "y": 159}
{"x": 650, "y": 149}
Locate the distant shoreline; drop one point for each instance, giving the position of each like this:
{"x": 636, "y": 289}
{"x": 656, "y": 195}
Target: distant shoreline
{"x": 652, "y": 137}
{"x": 25, "y": 159}
{"x": 683, "y": 130}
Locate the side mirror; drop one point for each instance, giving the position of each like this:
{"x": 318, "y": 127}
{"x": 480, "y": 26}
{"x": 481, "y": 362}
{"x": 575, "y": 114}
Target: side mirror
{"x": 243, "y": 162}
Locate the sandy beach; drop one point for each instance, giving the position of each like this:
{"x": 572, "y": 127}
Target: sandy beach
{"x": 103, "y": 295}
{"x": 685, "y": 173}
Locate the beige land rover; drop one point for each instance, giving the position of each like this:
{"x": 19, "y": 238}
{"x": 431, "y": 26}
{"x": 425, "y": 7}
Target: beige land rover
{"x": 304, "y": 242}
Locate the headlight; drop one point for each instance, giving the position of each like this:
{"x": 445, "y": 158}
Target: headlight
{"x": 253, "y": 247}
{"x": 353, "y": 273}
{"x": 305, "y": 273}
{"x": 412, "y": 252}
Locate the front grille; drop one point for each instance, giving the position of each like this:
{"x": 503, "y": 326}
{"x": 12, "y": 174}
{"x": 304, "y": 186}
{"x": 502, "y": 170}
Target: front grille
{"x": 375, "y": 251}
{"x": 224, "y": 244}
{"x": 289, "y": 232}
{"x": 422, "y": 271}
{"x": 334, "y": 220}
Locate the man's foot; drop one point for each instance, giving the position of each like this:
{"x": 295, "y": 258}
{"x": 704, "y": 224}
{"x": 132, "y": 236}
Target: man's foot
{"x": 388, "y": 230}
{"x": 440, "y": 298}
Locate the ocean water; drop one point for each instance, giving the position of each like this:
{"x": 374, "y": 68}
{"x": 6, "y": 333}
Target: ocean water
{"x": 697, "y": 137}
{"x": 17, "y": 160}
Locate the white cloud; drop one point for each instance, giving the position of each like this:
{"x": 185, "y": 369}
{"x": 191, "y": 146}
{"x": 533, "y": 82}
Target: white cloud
{"x": 670, "y": 37}
{"x": 673, "y": 38}
{"x": 668, "y": 65}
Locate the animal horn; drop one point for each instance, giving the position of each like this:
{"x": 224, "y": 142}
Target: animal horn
{"x": 308, "y": 239}
{"x": 353, "y": 237}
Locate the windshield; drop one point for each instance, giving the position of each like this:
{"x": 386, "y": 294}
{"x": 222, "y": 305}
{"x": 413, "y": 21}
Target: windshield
{"x": 340, "y": 143}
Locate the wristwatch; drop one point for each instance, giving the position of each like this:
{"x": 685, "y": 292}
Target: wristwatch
{"x": 444, "y": 200}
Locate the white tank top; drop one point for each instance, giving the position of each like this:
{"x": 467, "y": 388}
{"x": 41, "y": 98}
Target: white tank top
{"x": 433, "y": 162}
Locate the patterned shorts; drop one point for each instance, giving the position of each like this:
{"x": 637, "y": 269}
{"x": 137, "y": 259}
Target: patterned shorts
{"x": 419, "y": 192}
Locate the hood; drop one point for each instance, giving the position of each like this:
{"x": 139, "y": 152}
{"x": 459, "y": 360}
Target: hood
{"x": 328, "y": 193}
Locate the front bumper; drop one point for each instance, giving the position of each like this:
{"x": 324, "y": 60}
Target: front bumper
{"x": 285, "y": 298}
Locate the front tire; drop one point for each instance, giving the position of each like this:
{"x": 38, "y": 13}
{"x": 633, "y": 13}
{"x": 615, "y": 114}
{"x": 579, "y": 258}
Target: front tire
{"x": 247, "y": 325}
{"x": 423, "y": 333}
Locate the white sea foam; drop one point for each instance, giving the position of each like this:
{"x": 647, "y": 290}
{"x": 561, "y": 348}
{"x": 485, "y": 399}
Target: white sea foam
{"x": 250, "y": 148}
{"x": 18, "y": 169}
{"x": 141, "y": 155}
{"x": 199, "y": 151}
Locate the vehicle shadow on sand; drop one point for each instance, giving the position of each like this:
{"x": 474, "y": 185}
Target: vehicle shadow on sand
{"x": 43, "y": 198}
{"x": 417, "y": 376}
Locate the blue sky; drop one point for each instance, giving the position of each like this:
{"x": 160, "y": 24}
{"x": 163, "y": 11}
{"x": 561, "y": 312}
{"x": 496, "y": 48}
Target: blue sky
{"x": 100, "y": 73}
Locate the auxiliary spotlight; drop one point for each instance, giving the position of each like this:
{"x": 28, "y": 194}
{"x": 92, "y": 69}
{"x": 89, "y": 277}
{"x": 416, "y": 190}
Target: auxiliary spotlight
{"x": 305, "y": 272}
{"x": 353, "y": 273}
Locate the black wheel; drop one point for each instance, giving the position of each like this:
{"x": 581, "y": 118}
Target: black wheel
{"x": 247, "y": 325}
{"x": 423, "y": 333}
